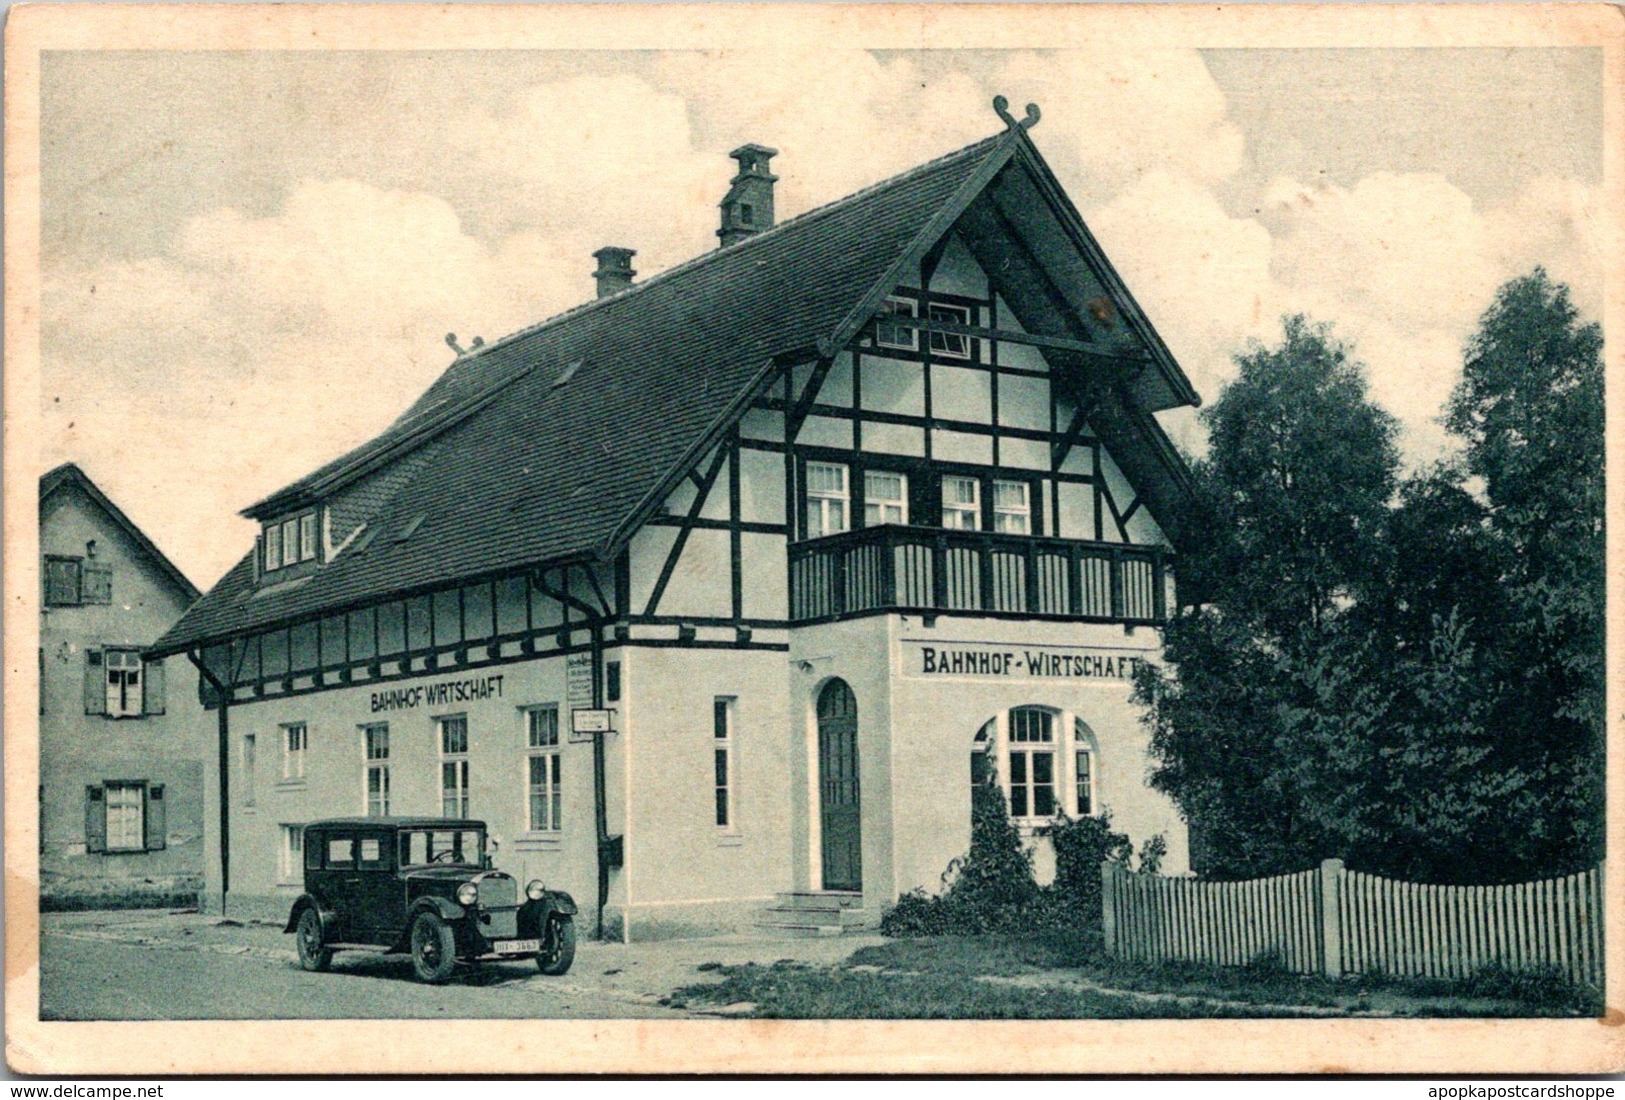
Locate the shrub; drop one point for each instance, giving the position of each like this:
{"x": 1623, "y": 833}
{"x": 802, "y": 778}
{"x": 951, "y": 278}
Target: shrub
{"x": 990, "y": 889}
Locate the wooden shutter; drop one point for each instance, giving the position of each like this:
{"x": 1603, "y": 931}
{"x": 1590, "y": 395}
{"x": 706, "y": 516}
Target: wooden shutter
{"x": 152, "y": 702}
{"x": 95, "y": 820}
{"x": 97, "y": 583}
{"x": 95, "y": 683}
{"x": 157, "y": 824}
{"x": 61, "y": 582}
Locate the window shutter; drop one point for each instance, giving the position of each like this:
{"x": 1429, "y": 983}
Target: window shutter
{"x": 61, "y": 582}
{"x": 157, "y": 825}
{"x": 152, "y": 701}
{"x": 98, "y": 583}
{"x": 95, "y": 683}
{"x": 95, "y": 820}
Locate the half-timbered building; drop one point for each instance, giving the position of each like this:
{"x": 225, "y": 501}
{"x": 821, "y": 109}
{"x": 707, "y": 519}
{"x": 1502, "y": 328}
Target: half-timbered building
{"x": 716, "y": 594}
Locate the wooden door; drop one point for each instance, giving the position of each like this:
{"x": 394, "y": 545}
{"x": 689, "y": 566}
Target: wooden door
{"x": 838, "y": 793}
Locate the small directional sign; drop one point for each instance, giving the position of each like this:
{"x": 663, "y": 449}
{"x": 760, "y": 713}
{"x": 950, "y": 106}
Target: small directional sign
{"x": 586, "y": 723}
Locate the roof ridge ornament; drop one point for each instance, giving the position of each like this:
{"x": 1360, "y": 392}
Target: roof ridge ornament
{"x": 1002, "y": 106}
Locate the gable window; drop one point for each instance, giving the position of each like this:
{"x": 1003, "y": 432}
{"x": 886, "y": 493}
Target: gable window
{"x": 827, "y": 499}
{"x": 1012, "y": 511}
{"x": 1043, "y": 763}
{"x": 125, "y": 815}
{"x": 950, "y": 345}
{"x": 290, "y": 541}
{"x": 63, "y": 582}
{"x": 295, "y": 737}
{"x": 885, "y": 498}
{"x": 961, "y": 503}
{"x": 453, "y": 766}
{"x": 375, "y": 749}
{"x": 722, "y": 758}
{"x": 897, "y": 336}
{"x": 543, "y": 768}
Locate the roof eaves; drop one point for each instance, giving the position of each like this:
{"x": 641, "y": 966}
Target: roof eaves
{"x": 69, "y": 473}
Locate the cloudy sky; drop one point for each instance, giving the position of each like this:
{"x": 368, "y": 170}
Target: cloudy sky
{"x": 250, "y": 260}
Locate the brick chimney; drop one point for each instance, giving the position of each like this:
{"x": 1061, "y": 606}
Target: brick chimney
{"x": 748, "y": 207}
{"x": 614, "y": 272}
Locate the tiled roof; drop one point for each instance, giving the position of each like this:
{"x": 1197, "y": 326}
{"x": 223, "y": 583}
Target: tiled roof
{"x": 547, "y": 471}
{"x": 70, "y": 474}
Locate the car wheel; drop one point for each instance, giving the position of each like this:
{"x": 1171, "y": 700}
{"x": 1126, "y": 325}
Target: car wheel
{"x": 434, "y": 948}
{"x": 307, "y": 938}
{"x": 559, "y": 951}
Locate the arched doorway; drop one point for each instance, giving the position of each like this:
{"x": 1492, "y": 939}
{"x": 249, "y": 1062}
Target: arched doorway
{"x": 838, "y": 795}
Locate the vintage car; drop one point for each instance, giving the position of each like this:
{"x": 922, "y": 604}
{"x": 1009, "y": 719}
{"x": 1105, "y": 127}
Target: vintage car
{"x": 426, "y": 886}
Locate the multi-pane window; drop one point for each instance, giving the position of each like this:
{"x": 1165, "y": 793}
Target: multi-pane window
{"x": 294, "y": 739}
{"x": 885, "y": 498}
{"x": 290, "y": 541}
{"x": 827, "y": 499}
{"x": 950, "y": 345}
{"x": 961, "y": 503}
{"x": 63, "y": 582}
{"x": 543, "y": 768}
{"x": 1012, "y": 511}
{"x": 722, "y": 758}
{"x": 897, "y": 336}
{"x": 293, "y": 853}
{"x": 123, "y": 680}
{"x": 250, "y": 780}
{"x": 126, "y": 819}
{"x": 375, "y": 746}
{"x": 1032, "y": 763}
{"x": 453, "y": 766}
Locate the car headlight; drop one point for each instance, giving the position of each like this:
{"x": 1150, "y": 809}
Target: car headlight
{"x": 534, "y": 889}
{"x": 468, "y": 894}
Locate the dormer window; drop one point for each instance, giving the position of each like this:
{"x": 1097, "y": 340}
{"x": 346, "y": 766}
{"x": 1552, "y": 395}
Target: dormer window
{"x": 289, "y": 541}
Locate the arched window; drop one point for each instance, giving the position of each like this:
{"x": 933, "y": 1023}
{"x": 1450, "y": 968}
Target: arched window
{"x": 1044, "y": 761}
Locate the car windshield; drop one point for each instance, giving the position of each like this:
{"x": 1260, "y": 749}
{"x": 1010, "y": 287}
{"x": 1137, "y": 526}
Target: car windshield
{"x": 420, "y": 847}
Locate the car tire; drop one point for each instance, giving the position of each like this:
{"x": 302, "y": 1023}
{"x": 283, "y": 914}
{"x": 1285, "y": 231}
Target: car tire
{"x": 559, "y": 951}
{"x": 434, "y": 949}
{"x": 307, "y": 939}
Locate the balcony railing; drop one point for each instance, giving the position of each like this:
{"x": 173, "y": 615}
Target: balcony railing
{"x": 924, "y": 569}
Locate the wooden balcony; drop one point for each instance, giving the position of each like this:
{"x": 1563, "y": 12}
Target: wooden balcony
{"x": 926, "y": 570}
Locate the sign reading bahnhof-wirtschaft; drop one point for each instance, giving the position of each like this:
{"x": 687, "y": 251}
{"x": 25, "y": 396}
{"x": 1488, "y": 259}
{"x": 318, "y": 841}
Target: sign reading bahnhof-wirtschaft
{"x": 970, "y": 660}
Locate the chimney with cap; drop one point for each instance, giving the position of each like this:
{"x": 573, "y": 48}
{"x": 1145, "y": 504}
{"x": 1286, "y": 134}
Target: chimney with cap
{"x": 614, "y": 272}
{"x": 748, "y": 207}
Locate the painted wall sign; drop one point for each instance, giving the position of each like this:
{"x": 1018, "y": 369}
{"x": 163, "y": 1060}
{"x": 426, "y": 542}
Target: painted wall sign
{"x": 977, "y": 661}
{"x": 469, "y": 690}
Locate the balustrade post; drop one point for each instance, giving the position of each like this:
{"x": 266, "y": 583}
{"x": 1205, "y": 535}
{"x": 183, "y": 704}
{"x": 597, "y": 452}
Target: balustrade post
{"x": 1074, "y": 579}
{"x": 840, "y": 561}
{"x": 984, "y": 570}
{"x": 1159, "y": 587}
{"x": 1117, "y": 584}
{"x": 939, "y": 573}
{"x": 889, "y": 543}
{"x": 1032, "y": 578}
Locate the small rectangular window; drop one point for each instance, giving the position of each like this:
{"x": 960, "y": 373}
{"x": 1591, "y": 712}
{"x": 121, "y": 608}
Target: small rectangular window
{"x": 372, "y": 854}
{"x": 375, "y": 749}
{"x": 273, "y": 547}
{"x": 543, "y": 769}
{"x": 885, "y": 498}
{"x": 290, "y": 541}
{"x": 950, "y": 345}
{"x": 827, "y": 499}
{"x": 307, "y": 537}
{"x": 293, "y": 853}
{"x": 341, "y": 851}
{"x": 294, "y": 739}
{"x": 961, "y": 503}
{"x": 63, "y": 582}
{"x": 1012, "y": 514}
{"x": 1085, "y": 775}
{"x": 897, "y": 336}
{"x": 722, "y": 759}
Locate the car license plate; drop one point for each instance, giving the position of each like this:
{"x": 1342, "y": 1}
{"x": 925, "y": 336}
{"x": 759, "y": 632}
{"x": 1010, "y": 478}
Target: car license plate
{"x": 517, "y": 947}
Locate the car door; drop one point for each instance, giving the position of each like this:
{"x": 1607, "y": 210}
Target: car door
{"x": 379, "y": 891}
{"x": 334, "y": 883}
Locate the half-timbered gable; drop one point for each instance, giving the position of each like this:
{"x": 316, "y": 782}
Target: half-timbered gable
{"x": 822, "y": 506}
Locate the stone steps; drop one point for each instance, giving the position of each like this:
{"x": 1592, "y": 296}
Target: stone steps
{"x": 826, "y": 913}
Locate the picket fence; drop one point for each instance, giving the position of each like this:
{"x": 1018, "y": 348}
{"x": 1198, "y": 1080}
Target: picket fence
{"x": 1334, "y": 921}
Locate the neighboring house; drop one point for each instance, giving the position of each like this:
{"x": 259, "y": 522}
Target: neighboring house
{"x": 121, "y": 772}
{"x": 824, "y": 526}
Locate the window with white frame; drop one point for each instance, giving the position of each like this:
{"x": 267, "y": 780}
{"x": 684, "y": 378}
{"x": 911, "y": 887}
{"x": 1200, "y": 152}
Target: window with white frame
{"x": 124, "y": 682}
{"x": 453, "y": 765}
{"x": 961, "y": 503}
{"x": 1012, "y": 509}
{"x": 950, "y": 345}
{"x": 290, "y": 867}
{"x": 543, "y": 769}
{"x": 126, "y": 817}
{"x": 885, "y": 498}
{"x": 722, "y": 722}
{"x": 250, "y": 763}
{"x": 290, "y": 541}
{"x": 294, "y": 739}
{"x": 827, "y": 499}
{"x": 897, "y": 336}
{"x": 375, "y": 750}
{"x": 1042, "y": 763}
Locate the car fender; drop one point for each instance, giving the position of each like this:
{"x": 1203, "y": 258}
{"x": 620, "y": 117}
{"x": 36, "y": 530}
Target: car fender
{"x": 327, "y": 916}
{"x": 449, "y": 910}
{"x": 559, "y": 903}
